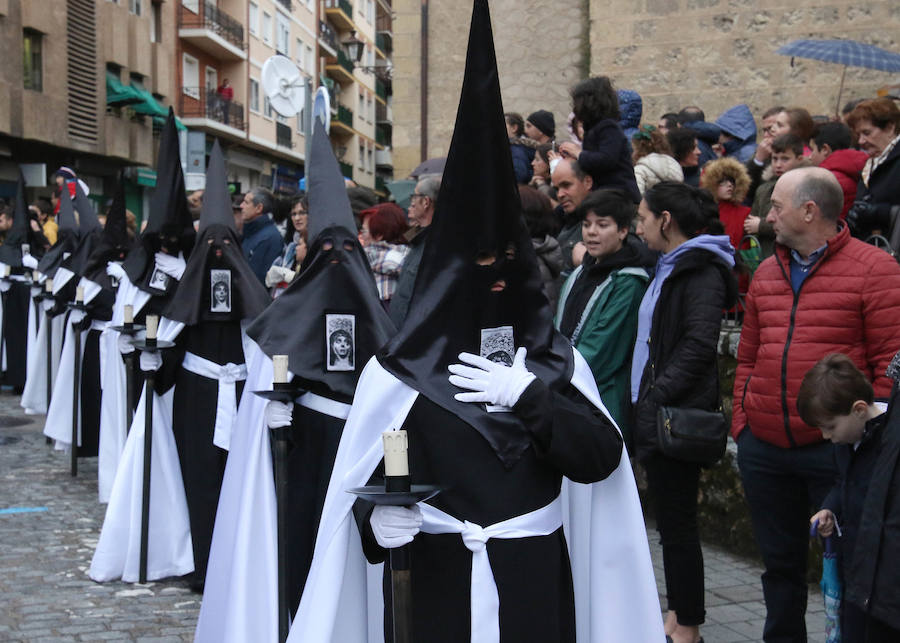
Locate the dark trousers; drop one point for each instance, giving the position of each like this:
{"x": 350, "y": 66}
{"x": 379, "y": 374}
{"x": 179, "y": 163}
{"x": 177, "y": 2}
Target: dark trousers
{"x": 784, "y": 487}
{"x": 673, "y": 486}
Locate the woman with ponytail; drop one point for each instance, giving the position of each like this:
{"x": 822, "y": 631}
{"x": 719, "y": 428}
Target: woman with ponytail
{"x": 674, "y": 364}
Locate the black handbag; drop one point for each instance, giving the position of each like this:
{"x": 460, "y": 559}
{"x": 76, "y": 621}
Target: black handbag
{"x": 692, "y": 435}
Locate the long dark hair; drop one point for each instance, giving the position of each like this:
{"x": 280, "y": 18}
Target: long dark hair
{"x": 694, "y": 210}
{"x": 594, "y": 100}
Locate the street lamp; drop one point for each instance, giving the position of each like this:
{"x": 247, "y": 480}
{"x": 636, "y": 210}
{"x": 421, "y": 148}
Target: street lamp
{"x": 354, "y": 48}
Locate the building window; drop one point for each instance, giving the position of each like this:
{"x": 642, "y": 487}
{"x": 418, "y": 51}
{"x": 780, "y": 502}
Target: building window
{"x": 283, "y": 43}
{"x": 31, "y": 59}
{"x": 190, "y": 75}
{"x": 254, "y": 95}
{"x": 267, "y": 107}
{"x": 299, "y": 53}
{"x": 370, "y": 11}
{"x": 156, "y": 21}
{"x": 370, "y": 109}
{"x": 253, "y": 22}
{"x": 212, "y": 79}
{"x": 371, "y": 156}
{"x": 267, "y": 28}
{"x": 362, "y": 157}
{"x": 362, "y": 105}
{"x": 191, "y": 5}
{"x": 312, "y": 61}
{"x": 134, "y": 6}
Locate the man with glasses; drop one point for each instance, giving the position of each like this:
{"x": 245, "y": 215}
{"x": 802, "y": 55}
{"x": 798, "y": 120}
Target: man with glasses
{"x": 421, "y": 211}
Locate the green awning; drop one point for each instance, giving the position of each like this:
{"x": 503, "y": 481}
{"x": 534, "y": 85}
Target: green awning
{"x": 118, "y": 94}
{"x": 148, "y": 104}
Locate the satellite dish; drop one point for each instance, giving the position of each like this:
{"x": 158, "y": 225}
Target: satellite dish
{"x": 283, "y": 85}
{"x": 322, "y": 107}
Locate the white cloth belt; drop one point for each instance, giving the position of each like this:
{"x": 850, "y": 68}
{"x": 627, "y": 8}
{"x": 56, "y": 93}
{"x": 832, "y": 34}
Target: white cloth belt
{"x": 99, "y": 324}
{"x": 226, "y": 404}
{"x": 19, "y": 278}
{"x": 324, "y": 405}
{"x": 485, "y": 602}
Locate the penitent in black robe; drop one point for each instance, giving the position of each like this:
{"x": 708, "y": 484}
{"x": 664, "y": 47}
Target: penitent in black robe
{"x": 193, "y": 422}
{"x": 16, "y": 302}
{"x": 533, "y": 574}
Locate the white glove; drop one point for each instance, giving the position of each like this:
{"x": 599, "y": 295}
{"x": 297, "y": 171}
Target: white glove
{"x": 48, "y": 304}
{"x": 5, "y": 284}
{"x": 75, "y": 316}
{"x": 491, "y": 382}
{"x": 150, "y": 361}
{"x": 115, "y": 269}
{"x": 125, "y": 345}
{"x": 279, "y": 414}
{"x": 395, "y": 526}
{"x": 29, "y": 262}
{"x": 172, "y": 266}
{"x": 277, "y": 274}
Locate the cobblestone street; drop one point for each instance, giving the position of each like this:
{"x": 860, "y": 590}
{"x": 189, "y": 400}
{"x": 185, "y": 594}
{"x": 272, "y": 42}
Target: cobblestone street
{"x": 50, "y": 522}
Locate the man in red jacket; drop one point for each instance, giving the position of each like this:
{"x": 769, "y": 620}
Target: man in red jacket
{"x": 821, "y": 292}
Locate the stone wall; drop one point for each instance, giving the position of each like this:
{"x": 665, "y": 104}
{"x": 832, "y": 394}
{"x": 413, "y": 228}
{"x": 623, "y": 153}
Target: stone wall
{"x": 714, "y": 53}
{"x": 717, "y": 53}
{"x": 540, "y": 54}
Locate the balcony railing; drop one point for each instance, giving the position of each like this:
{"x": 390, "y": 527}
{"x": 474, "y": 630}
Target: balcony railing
{"x": 380, "y": 184}
{"x": 209, "y": 16}
{"x": 382, "y": 137}
{"x": 345, "y": 62}
{"x": 283, "y": 137}
{"x": 380, "y": 89}
{"x": 328, "y": 35}
{"x": 203, "y": 102}
{"x": 384, "y": 41}
{"x": 345, "y": 116}
{"x": 344, "y": 5}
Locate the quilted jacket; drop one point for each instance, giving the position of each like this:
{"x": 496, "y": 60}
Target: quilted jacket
{"x": 849, "y": 303}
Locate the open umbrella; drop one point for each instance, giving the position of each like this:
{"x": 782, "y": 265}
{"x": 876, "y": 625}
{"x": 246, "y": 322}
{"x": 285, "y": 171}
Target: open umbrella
{"x": 848, "y": 53}
{"x": 430, "y": 166}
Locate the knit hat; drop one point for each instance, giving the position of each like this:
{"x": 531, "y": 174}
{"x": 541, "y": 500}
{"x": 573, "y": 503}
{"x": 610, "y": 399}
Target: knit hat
{"x": 543, "y": 120}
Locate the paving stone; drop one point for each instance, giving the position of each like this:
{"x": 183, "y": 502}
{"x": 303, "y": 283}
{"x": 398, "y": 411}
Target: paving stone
{"x": 46, "y": 595}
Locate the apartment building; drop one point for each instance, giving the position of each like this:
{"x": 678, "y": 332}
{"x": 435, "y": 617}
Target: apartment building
{"x": 91, "y": 92}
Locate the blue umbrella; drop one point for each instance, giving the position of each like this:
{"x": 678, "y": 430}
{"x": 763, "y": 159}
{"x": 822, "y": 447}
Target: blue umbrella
{"x": 848, "y": 53}
{"x": 832, "y": 587}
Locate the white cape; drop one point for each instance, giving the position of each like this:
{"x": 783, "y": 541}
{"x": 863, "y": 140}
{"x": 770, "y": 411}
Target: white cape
{"x": 240, "y": 599}
{"x": 112, "y": 380}
{"x": 616, "y": 597}
{"x": 59, "y": 416}
{"x": 34, "y": 396}
{"x": 169, "y": 551}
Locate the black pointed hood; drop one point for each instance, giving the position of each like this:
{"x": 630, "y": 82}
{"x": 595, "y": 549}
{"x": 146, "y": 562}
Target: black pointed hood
{"x": 113, "y": 242}
{"x": 327, "y": 192}
{"x": 89, "y": 233}
{"x": 334, "y": 292}
{"x": 11, "y": 250}
{"x": 478, "y": 214}
{"x": 217, "y": 258}
{"x": 66, "y": 239}
{"x": 169, "y": 223}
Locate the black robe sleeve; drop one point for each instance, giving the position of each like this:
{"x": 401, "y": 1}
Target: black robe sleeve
{"x": 579, "y": 440}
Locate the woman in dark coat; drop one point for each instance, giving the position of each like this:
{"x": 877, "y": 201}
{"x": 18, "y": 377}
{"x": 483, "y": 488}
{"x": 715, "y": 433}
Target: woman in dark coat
{"x": 674, "y": 363}
{"x": 876, "y": 124}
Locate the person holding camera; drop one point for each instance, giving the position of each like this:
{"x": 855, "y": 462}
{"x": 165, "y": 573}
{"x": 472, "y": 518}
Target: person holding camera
{"x": 876, "y": 124}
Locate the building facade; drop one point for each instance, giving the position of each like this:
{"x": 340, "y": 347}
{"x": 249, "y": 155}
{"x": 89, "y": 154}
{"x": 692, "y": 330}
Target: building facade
{"x": 711, "y": 53}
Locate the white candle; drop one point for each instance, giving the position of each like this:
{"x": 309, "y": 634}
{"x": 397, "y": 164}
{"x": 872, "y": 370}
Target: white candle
{"x": 8, "y": 271}
{"x": 48, "y": 285}
{"x": 79, "y": 294}
{"x": 129, "y": 314}
{"x": 396, "y": 445}
{"x": 35, "y": 275}
{"x": 280, "y": 362}
{"x": 152, "y": 325}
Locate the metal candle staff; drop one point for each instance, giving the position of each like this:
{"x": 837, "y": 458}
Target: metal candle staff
{"x": 398, "y": 491}
{"x": 131, "y": 329}
{"x": 48, "y": 294}
{"x": 76, "y": 381}
{"x": 150, "y": 344}
{"x": 282, "y": 391}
